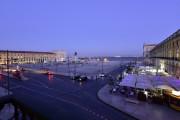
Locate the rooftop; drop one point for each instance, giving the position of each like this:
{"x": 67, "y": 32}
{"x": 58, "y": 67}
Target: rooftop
{"x": 172, "y": 36}
{"x": 35, "y": 52}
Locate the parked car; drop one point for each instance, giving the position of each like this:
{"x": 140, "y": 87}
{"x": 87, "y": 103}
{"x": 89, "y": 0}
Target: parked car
{"x": 83, "y": 78}
{"x": 50, "y": 73}
{"x": 16, "y": 74}
{"x": 76, "y": 77}
{"x": 115, "y": 89}
{"x": 101, "y": 75}
{"x": 80, "y": 78}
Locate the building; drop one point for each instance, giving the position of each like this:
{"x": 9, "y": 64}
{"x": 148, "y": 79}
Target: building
{"x": 147, "y": 48}
{"x": 22, "y": 57}
{"x": 60, "y": 56}
{"x": 146, "y": 53}
{"x": 166, "y": 55}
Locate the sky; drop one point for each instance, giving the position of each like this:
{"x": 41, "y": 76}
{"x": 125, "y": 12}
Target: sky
{"x": 90, "y": 27}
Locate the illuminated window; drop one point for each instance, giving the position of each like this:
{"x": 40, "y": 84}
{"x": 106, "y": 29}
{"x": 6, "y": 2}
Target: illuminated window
{"x": 177, "y": 53}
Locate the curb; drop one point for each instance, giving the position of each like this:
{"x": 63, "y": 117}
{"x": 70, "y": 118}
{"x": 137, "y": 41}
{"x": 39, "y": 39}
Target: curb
{"x": 113, "y": 106}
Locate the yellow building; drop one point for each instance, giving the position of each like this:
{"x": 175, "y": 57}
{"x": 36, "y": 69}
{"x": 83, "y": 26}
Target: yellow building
{"x": 21, "y": 57}
{"x": 166, "y": 55}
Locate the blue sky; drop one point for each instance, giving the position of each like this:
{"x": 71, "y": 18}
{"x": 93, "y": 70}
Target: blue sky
{"x": 90, "y": 27}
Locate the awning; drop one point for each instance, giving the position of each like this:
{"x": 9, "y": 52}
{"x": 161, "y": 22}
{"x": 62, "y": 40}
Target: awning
{"x": 165, "y": 87}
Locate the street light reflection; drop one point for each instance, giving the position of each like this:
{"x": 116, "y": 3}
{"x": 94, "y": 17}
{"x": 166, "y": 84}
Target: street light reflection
{"x": 80, "y": 83}
{"x": 1, "y": 77}
{"x": 50, "y": 77}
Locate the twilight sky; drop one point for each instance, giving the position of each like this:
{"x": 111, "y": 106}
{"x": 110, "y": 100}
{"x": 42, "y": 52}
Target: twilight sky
{"x": 90, "y": 27}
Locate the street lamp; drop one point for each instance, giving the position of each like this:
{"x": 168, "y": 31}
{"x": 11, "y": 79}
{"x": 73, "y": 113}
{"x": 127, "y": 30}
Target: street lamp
{"x": 102, "y": 66}
{"x": 56, "y": 64}
{"x": 7, "y": 63}
{"x": 75, "y": 55}
{"x": 68, "y": 66}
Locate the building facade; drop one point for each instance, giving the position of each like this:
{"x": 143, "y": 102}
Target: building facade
{"x": 22, "y": 57}
{"x": 60, "y": 56}
{"x": 166, "y": 55}
{"x": 146, "y": 53}
{"x": 147, "y": 48}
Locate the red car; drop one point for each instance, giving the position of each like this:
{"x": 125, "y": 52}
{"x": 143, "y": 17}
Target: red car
{"x": 50, "y": 73}
{"x": 17, "y": 74}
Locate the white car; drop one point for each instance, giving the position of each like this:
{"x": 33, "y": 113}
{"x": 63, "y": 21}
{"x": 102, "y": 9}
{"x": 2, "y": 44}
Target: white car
{"x": 101, "y": 75}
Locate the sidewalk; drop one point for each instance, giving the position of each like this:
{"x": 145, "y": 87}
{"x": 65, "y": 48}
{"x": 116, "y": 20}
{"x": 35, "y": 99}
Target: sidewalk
{"x": 141, "y": 110}
{"x": 8, "y": 110}
{"x": 4, "y": 92}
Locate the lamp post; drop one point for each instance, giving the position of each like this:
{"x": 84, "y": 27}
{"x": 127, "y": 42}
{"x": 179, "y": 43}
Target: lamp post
{"x": 56, "y": 64}
{"x": 102, "y": 66}
{"x": 68, "y": 66}
{"x": 7, "y": 63}
{"x": 75, "y": 55}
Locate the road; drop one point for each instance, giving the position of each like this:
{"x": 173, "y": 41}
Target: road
{"x": 92, "y": 68}
{"x": 60, "y": 98}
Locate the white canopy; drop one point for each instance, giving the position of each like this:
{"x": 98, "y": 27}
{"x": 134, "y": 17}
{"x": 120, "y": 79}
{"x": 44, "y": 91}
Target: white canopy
{"x": 128, "y": 81}
{"x": 166, "y": 87}
{"x": 151, "y": 81}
